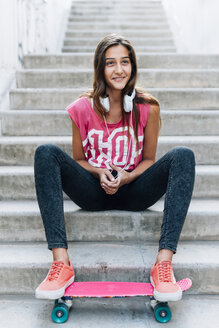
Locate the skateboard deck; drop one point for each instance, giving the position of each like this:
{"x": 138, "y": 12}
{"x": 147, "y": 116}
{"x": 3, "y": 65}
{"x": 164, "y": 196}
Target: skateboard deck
{"x": 110, "y": 289}
{"x": 116, "y": 289}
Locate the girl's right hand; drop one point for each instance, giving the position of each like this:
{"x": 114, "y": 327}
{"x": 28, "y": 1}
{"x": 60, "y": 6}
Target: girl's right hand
{"x": 107, "y": 181}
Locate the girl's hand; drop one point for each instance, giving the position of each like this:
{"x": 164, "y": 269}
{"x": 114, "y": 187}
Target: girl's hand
{"x": 111, "y": 184}
{"x": 107, "y": 181}
{"x": 123, "y": 177}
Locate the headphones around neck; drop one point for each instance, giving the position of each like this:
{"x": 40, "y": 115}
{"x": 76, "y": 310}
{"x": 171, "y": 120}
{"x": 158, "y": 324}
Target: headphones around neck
{"x": 128, "y": 102}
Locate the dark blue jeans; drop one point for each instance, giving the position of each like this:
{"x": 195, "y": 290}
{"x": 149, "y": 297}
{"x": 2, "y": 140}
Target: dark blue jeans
{"x": 55, "y": 172}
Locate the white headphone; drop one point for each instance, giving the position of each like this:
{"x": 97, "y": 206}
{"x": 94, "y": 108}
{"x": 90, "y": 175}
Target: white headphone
{"x": 128, "y": 102}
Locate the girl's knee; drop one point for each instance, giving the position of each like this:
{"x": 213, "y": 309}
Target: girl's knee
{"x": 44, "y": 151}
{"x": 183, "y": 153}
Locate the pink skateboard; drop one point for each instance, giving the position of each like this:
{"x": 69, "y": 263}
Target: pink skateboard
{"x": 108, "y": 289}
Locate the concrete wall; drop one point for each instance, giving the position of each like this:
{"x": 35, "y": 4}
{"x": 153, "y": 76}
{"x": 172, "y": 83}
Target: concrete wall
{"x": 29, "y": 26}
{"x": 194, "y": 24}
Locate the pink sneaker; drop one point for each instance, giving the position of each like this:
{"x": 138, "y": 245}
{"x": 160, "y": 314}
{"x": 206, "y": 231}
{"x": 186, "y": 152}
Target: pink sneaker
{"x": 164, "y": 282}
{"x": 60, "y": 276}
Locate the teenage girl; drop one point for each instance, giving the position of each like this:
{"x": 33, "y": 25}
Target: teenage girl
{"x": 115, "y": 132}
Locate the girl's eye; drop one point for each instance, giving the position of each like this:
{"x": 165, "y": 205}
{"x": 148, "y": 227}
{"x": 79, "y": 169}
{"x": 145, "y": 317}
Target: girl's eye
{"x": 109, "y": 63}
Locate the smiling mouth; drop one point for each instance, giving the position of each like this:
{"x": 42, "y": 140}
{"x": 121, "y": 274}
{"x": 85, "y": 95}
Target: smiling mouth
{"x": 118, "y": 79}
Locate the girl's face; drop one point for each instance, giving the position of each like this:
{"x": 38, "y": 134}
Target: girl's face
{"x": 118, "y": 67}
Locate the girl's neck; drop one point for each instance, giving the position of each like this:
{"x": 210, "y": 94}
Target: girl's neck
{"x": 115, "y": 103}
{"x": 114, "y": 96}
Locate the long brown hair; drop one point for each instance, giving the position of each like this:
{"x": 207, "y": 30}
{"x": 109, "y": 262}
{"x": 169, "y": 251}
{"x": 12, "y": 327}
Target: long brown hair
{"x": 99, "y": 84}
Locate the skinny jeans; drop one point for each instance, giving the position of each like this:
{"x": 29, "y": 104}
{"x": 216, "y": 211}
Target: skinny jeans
{"x": 55, "y": 171}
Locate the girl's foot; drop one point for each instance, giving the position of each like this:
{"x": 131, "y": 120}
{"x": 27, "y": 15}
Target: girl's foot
{"x": 164, "y": 282}
{"x": 60, "y": 276}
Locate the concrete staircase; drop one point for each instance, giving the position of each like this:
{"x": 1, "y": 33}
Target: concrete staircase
{"x": 111, "y": 245}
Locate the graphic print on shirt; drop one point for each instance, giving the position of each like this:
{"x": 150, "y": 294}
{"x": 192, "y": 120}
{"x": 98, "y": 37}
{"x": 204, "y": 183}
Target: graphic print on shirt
{"x": 100, "y": 150}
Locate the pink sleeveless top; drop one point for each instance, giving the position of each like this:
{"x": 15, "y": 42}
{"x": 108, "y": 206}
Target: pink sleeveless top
{"x": 100, "y": 148}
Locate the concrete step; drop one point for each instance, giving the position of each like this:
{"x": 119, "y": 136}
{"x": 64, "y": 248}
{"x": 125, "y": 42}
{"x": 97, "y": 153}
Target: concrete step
{"x": 148, "y": 48}
{"x": 134, "y": 14}
{"x": 54, "y": 123}
{"x": 128, "y": 33}
{"x": 116, "y": 6}
{"x": 24, "y": 216}
{"x": 119, "y": 6}
{"x": 117, "y": 25}
{"x": 20, "y": 150}
{"x": 28, "y": 312}
{"x": 79, "y": 12}
{"x": 85, "y": 60}
{"x": 137, "y": 42}
{"x": 17, "y": 182}
{"x": 169, "y": 98}
{"x": 116, "y": 3}
{"x": 152, "y": 78}
{"x": 121, "y": 261}
{"x": 115, "y": 11}
{"x": 117, "y": 17}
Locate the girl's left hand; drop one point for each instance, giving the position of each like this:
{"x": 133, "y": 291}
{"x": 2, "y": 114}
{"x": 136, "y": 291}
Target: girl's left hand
{"x": 121, "y": 179}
